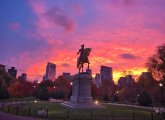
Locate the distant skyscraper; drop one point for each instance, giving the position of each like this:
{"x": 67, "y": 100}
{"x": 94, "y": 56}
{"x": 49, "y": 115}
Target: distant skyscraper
{"x": 106, "y": 73}
{"x": 50, "y": 71}
{"x": 2, "y": 66}
{"x": 97, "y": 80}
{"x": 12, "y": 72}
{"x": 67, "y": 76}
{"x": 146, "y": 75}
{"x": 23, "y": 77}
{"x": 122, "y": 82}
{"x": 106, "y": 79}
{"x": 129, "y": 80}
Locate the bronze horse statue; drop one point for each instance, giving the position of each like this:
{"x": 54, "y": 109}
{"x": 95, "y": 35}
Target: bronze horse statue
{"x": 83, "y": 58}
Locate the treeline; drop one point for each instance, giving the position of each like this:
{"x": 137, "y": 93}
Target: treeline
{"x": 13, "y": 87}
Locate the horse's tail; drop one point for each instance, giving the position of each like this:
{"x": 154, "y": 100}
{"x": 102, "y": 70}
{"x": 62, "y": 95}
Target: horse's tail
{"x": 78, "y": 61}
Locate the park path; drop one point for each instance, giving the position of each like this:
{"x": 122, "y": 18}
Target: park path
{"x": 5, "y": 116}
{"x": 156, "y": 109}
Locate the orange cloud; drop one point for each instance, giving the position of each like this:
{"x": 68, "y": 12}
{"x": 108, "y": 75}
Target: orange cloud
{"x": 120, "y": 36}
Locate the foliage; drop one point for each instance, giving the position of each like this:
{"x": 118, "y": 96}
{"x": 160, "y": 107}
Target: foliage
{"x": 105, "y": 98}
{"x": 144, "y": 99}
{"x": 156, "y": 63}
{"x": 62, "y": 81}
{"x": 58, "y": 94}
{"x": 16, "y": 89}
{"x": 63, "y": 88}
{"x": 116, "y": 98}
{"x": 45, "y": 84}
{"x": 20, "y": 89}
{"x": 42, "y": 94}
{"x": 4, "y": 93}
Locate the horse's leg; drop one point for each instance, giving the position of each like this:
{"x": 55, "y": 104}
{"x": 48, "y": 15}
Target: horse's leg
{"x": 79, "y": 69}
{"x": 82, "y": 67}
{"x": 88, "y": 65}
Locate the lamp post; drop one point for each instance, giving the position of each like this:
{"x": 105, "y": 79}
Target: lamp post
{"x": 161, "y": 90}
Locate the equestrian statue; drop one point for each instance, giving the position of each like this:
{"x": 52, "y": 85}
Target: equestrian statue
{"x": 83, "y": 58}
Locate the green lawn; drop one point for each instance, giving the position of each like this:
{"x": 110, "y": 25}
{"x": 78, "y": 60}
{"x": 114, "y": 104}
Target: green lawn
{"x": 19, "y": 99}
{"x": 56, "y": 112}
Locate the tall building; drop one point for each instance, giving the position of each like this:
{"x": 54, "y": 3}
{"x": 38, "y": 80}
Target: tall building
{"x": 2, "y": 66}
{"x": 129, "y": 80}
{"x": 146, "y": 75}
{"x": 122, "y": 82}
{"x": 13, "y": 72}
{"x": 66, "y": 75}
{"x": 106, "y": 73}
{"x": 23, "y": 77}
{"x": 106, "y": 79}
{"x": 97, "y": 80}
{"x": 50, "y": 72}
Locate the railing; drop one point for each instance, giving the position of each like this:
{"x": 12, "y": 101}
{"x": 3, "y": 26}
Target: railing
{"x": 69, "y": 114}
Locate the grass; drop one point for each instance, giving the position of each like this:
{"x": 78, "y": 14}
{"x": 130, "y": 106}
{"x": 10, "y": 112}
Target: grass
{"x": 57, "y": 112}
{"x": 13, "y": 99}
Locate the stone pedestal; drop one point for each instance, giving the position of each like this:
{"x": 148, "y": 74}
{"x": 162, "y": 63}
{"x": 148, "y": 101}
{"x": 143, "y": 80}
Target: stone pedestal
{"x": 81, "y": 92}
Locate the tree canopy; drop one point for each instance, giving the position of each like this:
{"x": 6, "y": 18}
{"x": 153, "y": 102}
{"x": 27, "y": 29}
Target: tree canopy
{"x": 156, "y": 63}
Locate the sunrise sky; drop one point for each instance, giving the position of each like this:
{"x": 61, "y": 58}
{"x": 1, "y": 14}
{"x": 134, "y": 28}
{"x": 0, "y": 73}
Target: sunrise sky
{"x": 121, "y": 33}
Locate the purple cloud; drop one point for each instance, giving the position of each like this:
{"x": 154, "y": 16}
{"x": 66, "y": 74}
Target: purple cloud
{"x": 127, "y": 56}
{"x": 58, "y": 16}
{"x": 65, "y": 65}
{"x": 15, "y": 26}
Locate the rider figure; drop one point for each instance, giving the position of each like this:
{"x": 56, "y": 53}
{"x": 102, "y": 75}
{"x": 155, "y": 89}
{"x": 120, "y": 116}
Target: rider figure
{"x": 81, "y": 51}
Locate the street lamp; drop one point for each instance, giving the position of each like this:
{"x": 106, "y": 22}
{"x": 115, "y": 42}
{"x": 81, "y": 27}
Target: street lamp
{"x": 71, "y": 83}
{"x": 160, "y": 84}
{"x": 161, "y": 90}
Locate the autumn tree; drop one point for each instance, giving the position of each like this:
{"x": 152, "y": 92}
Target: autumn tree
{"x": 20, "y": 89}
{"x": 156, "y": 63}
{"x": 16, "y": 89}
{"x": 62, "y": 88}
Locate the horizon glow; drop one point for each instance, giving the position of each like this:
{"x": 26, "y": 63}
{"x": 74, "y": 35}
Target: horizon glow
{"x": 121, "y": 33}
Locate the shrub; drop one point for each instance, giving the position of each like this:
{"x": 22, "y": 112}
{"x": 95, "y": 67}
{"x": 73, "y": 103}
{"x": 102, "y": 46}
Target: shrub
{"x": 4, "y": 94}
{"x": 115, "y": 98}
{"x": 105, "y": 98}
{"x": 144, "y": 99}
{"x": 58, "y": 94}
{"x": 42, "y": 94}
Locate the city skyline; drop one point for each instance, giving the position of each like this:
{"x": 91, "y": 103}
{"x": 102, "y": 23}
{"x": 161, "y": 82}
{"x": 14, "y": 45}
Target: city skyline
{"x": 122, "y": 34}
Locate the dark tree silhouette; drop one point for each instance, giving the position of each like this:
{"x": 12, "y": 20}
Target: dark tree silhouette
{"x": 156, "y": 63}
{"x": 144, "y": 99}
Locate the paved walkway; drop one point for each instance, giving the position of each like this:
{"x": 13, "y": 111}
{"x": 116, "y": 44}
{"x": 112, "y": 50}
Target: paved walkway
{"x": 5, "y": 116}
{"x": 156, "y": 109}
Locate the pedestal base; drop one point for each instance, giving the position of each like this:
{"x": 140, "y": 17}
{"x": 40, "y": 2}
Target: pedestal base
{"x": 81, "y": 92}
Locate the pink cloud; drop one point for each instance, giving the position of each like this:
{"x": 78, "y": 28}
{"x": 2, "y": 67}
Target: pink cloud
{"x": 78, "y": 9}
{"x": 116, "y": 29}
{"x": 57, "y": 16}
{"x": 15, "y": 26}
